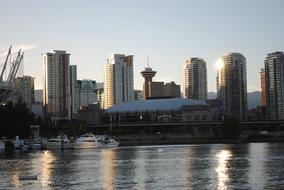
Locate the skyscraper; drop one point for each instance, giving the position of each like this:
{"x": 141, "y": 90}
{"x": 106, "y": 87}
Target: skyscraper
{"x": 263, "y": 88}
{"x": 25, "y": 85}
{"x": 148, "y": 74}
{"x": 195, "y": 79}
{"x": 56, "y": 87}
{"x": 274, "y": 77}
{"x": 74, "y": 107}
{"x": 118, "y": 85}
{"x": 87, "y": 92}
{"x": 232, "y": 85}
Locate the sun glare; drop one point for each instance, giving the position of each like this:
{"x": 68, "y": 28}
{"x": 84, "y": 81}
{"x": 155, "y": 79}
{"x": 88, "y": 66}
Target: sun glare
{"x": 220, "y": 64}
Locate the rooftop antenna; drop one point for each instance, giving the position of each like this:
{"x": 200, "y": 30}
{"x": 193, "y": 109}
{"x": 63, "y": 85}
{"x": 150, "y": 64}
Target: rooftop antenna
{"x": 148, "y": 61}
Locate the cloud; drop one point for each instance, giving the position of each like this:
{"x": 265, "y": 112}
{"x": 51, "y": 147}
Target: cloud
{"x": 24, "y": 47}
{"x": 253, "y": 88}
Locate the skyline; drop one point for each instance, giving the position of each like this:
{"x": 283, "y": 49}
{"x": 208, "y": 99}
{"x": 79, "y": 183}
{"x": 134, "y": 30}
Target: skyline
{"x": 167, "y": 32}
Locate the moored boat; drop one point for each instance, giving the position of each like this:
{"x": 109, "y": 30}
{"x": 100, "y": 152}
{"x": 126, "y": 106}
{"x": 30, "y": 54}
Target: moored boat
{"x": 58, "y": 143}
{"x": 87, "y": 140}
{"x": 107, "y": 142}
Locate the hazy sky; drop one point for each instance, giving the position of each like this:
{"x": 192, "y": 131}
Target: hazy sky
{"x": 168, "y": 31}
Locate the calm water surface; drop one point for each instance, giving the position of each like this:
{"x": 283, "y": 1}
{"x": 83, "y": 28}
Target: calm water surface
{"x": 215, "y": 166}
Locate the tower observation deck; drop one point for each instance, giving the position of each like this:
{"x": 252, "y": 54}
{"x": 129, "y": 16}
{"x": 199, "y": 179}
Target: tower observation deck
{"x": 148, "y": 74}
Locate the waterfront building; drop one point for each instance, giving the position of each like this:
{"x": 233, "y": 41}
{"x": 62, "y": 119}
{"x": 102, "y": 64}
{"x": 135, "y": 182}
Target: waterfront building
{"x": 25, "y": 86}
{"x": 38, "y": 95}
{"x": 195, "y": 79}
{"x": 232, "y": 85}
{"x": 56, "y": 88}
{"x": 138, "y": 95}
{"x": 263, "y": 87}
{"x": 148, "y": 75}
{"x": 274, "y": 85}
{"x": 86, "y": 92}
{"x": 118, "y": 84}
{"x": 90, "y": 114}
{"x": 73, "y": 86}
{"x": 156, "y": 89}
{"x": 172, "y": 90}
{"x": 165, "y": 110}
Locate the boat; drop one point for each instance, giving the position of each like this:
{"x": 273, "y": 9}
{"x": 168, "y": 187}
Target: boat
{"x": 18, "y": 143}
{"x": 87, "y": 140}
{"x": 58, "y": 143}
{"x": 107, "y": 142}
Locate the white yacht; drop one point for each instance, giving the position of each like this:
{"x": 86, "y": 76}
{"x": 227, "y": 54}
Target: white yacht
{"x": 87, "y": 140}
{"x": 58, "y": 143}
{"x": 107, "y": 142}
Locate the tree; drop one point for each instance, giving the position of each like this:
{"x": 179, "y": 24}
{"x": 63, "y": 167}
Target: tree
{"x": 15, "y": 120}
{"x": 231, "y": 127}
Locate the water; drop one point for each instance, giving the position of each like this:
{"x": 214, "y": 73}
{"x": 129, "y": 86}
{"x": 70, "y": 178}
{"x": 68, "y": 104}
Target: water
{"x": 241, "y": 166}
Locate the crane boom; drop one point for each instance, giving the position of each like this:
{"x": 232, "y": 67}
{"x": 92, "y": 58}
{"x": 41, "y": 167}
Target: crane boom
{"x": 14, "y": 65}
{"x": 18, "y": 65}
{"x": 5, "y": 64}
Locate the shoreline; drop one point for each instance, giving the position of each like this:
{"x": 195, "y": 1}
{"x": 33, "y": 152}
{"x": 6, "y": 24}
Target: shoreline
{"x": 179, "y": 140}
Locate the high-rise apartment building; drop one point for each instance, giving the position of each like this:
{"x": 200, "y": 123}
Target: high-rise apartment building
{"x": 232, "y": 85}
{"x": 100, "y": 97}
{"x": 274, "y": 77}
{"x": 74, "y": 105}
{"x": 100, "y": 94}
{"x": 118, "y": 84}
{"x": 195, "y": 79}
{"x": 25, "y": 85}
{"x": 56, "y": 88}
{"x": 87, "y": 92}
{"x": 263, "y": 87}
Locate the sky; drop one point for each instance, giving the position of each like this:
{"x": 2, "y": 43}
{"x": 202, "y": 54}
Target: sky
{"x": 168, "y": 31}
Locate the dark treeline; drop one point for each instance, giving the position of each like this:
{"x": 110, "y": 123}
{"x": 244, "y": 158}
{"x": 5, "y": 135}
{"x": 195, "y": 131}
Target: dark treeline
{"x": 15, "y": 119}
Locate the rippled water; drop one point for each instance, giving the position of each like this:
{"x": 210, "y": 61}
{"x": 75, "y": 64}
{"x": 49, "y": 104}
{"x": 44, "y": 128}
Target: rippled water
{"x": 242, "y": 166}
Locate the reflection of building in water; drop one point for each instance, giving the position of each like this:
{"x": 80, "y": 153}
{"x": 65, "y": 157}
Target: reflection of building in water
{"x": 223, "y": 158}
{"x": 47, "y": 159}
{"x": 141, "y": 174}
{"x": 108, "y": 170}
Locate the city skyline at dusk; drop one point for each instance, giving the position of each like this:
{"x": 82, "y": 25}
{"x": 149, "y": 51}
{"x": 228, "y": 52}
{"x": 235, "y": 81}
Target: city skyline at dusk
{"x": 170, "y": 33}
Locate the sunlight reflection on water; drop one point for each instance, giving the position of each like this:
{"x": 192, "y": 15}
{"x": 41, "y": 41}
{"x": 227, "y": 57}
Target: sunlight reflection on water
{"x": 222, "y": 168}
{"x": 243, "y": 166}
